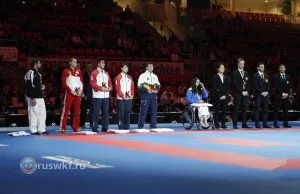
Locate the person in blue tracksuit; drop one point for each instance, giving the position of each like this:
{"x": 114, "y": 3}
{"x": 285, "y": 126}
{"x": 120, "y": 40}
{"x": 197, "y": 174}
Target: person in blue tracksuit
{"x": 148, "y": 85}
{"x": 196, "y": 94}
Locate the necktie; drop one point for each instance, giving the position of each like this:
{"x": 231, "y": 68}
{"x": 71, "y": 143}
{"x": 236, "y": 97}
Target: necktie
{"x": 283, "y": 77}
{"x": 262, "y": 75}
{"x": 242, "y": 74}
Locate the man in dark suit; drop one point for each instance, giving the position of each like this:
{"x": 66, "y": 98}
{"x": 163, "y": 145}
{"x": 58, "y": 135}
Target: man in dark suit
{"x": 240, "y": 80}
{"x": 87, "y": 100}
{"x": 220, "y": 95}
{"x": 282, "y": 88}
{"x": 261, "y": 97}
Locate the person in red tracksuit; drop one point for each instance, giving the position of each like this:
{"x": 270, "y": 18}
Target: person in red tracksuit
{"x": 72, "y": 86}
{"x": 124, "y": 86}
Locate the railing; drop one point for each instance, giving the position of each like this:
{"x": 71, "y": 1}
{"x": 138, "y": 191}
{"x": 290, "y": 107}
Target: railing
{"x": 8, "y": 43}
{"x": 156, "y": 22}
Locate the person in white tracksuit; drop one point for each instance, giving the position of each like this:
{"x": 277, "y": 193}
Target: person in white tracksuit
{"x": 149, "y": 86}
{"x": 35, "y": 101}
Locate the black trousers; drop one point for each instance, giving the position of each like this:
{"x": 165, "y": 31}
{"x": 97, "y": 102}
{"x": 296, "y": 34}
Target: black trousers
{"x": 242, "y": 102}
{"x": 279, "y": 102}
{"x": 221, "y": 107}
{"x": 86, "y": 104}
{"x": 261, "y": 105}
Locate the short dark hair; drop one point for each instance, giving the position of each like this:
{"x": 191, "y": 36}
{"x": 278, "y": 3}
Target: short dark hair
{"x": 281, "y": 65}
{"x": 260, "y": 63}
{"x": 218, "y": 65}
{"x": 240, "y": 59}
{"x": 33, "y": 62}
{"x": 100, "y": 59}
{"x": 124, "y": 64}
{"x": 148, "y": 63}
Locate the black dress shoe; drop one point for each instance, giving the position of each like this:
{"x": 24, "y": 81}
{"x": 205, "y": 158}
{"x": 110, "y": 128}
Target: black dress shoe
{"x": 235, "y": 127}
{"x": 36, "y": 133}
{"x": 287, "y": 126}
{"x": 95, "y": 130}
{"x": 257, "y": 126}
{"x": 266, "y": 126}
{"x": 276, "y": 126}
{"x": 224, "y": 127}
{"x": 45, "y": 133}
{"x": 246, "y": 127}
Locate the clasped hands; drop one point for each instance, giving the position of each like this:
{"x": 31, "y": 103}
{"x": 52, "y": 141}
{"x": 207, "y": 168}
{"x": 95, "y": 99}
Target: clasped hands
{"x": 284, "y": 95}
{"x": 245, "y": 93}
{"x": 222, "y": 97}
{"x": 33, "y": 102}
{"x": 265, "y": 94}
{"x": 106, "y": 89}
{"x": 153, "y": 91}
{"x": 78, "y": 92}
{"x": 128, "y": 98}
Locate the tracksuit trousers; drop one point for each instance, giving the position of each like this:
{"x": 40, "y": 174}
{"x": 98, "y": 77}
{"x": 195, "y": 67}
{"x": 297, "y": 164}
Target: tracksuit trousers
{"x": 148, "y": 105}
{"x": 69, "y": 101}
{"x": 124, "y": 108}
{"x": 37, "y": 115}
{"x": 103, "y": 105}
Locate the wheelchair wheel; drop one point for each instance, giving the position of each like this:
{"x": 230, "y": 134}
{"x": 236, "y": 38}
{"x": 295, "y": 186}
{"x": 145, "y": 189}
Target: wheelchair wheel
{"x": 187, "y": 118}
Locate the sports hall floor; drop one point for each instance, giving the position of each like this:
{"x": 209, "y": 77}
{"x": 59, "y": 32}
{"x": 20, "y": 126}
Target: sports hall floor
{"x": 254, "y": 161}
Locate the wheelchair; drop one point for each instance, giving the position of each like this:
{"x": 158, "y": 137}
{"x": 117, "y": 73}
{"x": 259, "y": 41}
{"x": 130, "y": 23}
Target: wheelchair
{"x": 189, "y": 117}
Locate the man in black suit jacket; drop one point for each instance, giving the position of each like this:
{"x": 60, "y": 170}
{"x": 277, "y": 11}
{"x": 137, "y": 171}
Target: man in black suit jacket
{"x": 220, "y": 94}
{"x": 240, "y": 80}
{"x": 261, "y": 86}
{"x": 282, "y": 88}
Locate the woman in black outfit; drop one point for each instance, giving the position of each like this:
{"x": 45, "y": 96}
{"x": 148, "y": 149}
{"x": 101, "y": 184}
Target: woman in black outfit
{"x": 220, "y": 95}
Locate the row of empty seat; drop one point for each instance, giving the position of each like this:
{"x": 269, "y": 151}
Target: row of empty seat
{"x": 249, "y": 16}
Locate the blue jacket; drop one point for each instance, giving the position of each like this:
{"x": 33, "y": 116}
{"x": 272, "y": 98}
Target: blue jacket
{"x": 195, "y": 97}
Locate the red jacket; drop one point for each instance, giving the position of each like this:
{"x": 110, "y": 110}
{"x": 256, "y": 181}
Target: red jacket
{"x": 124, "y": 86}
{"x": 98, "y": 80}
{"x": 71, "y": 80}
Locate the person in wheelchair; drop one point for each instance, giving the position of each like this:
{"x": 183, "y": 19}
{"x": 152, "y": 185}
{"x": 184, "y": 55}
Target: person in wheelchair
{"x": 196, "y": 94}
